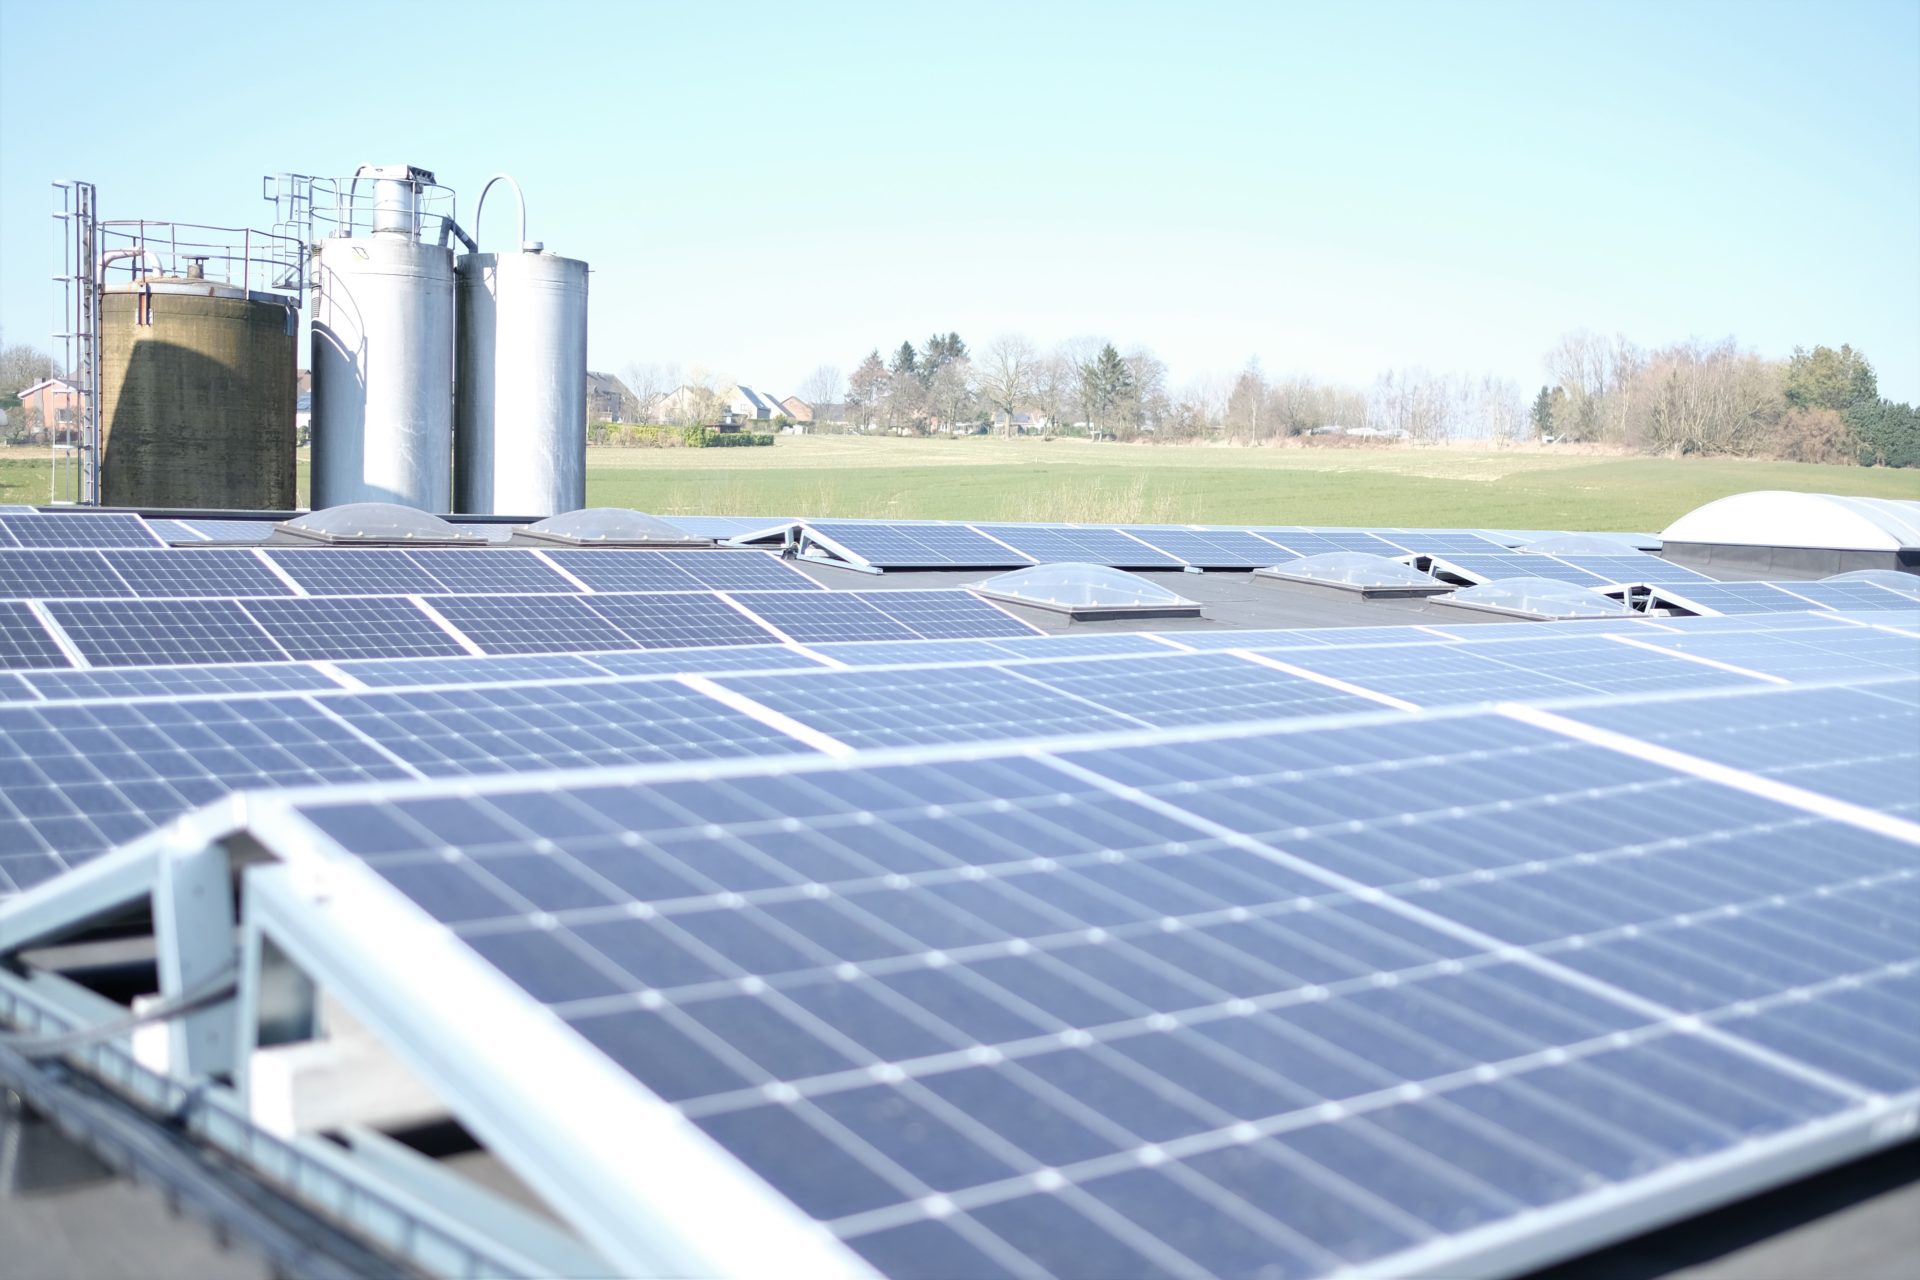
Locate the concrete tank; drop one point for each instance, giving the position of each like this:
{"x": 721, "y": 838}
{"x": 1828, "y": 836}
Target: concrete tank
{"x": 520, "y": 389}
{"x": 197, "y": 396}
{"x": 383, "y": 371}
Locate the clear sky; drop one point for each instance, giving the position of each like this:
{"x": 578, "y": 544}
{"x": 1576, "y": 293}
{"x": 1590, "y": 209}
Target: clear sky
{"x": 1335, "y": 189}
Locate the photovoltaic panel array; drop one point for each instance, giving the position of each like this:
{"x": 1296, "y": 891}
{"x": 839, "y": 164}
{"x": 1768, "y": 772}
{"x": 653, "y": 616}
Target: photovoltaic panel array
{"x": 94, "y": 529}
{"x": 24, "y": 643}
{"x": 1052, "y": 544}
{"x": 1313, "y": 542}
{"x": 211, "y": 572}
{"x": 1210, "y": 548}
{"x": 915, "y": 546}
{"x": 1199, "y": 1006}
{"x": 1737, "y": 597}
{"x": 681, "y": 571}
{"x": 812, "y": 617}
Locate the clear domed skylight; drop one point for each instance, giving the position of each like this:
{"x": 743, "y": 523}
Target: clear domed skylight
{"x": 383, "y": 523}
{"x": 1907, "y": 584}
{"x": 1356, "y": 571}
{"x": 1540, "y": 598}
{"x": 1084, "y": 589}
{"x": 612, "y": 527}
{"x": 1581, "y": 544}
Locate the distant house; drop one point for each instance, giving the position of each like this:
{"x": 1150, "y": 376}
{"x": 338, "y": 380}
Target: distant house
{"x": 797, "y": 409}
{"x": 746, "y": 404}
{"x": 50, "y": 404}
{"x": 608, "y": 399}
{"x": 1023, "y": 423}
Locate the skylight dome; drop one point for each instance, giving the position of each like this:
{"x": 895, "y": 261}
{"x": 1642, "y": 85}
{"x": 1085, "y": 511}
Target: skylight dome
{"x": 1811, "y": 520}
{"x": 1356, "y": 571}
{"x": 1582, "y": 544}
{"x": 1906, "y": 584}
{"x": 612, "y": 527}
{"x": 379, "y": 524}
{"x": 1086, "y": 591}
{"x": 1539, "y": 598}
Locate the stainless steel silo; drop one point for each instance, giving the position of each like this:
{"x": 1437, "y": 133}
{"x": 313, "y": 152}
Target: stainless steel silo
{"x": 520, "y": 391}
{"x": 520, "y": 388}
{"x": 383, "y": 351}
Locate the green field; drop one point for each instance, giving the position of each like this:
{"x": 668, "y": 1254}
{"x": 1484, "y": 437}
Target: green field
{"x": 982, "y": 479}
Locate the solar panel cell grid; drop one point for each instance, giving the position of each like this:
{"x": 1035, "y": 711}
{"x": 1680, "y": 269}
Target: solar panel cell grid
{"x": 1194, "y": 689}
{"x": 123, "y": 633}
{"x": 209, "y": 572}
{"x": 175, "y": 682}
{"x": 1492, "y": 568}
{"x": 814, "y": 617}
{"x": 903, "y": 546}
{"x": 668, "y": 621}
{"x": 1155, "y": 1047}
{"x": 41, "y": 574}
{"x": 1050, "y": 544}
{"x": 488, "y": 572}
{"x": 1740, "y": 597}
{"x": 76, "y": 530}
{"x": 531, "y": 624}
{"x": 369, "y": 571}
{"x": 1210, "y": 548}
{"x": 348, "y": 627}
{"x": 946, "y": 614}
{"x": 24, "y": 643}
{"x": 624, "y": 570}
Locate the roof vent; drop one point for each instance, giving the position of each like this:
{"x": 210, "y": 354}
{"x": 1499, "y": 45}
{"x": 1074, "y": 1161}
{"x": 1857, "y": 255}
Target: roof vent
{"x": 377, "y": 524}
{"x": 1086, "y": 592}
{"x": 1539, "y": 598}
{"x": 611, "y": 527}
{"x": 1360, "y": 571}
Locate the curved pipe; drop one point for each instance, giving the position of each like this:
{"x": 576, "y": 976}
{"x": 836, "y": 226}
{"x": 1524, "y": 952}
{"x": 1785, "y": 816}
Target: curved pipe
{"x": 109, "y": 256}
{"x": 481, "y": 207}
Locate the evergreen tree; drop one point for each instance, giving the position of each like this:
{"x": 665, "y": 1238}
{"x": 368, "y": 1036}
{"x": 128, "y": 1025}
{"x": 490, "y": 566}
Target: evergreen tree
{"x": 1105, "y": 383}
{"x": 905, "y": 361}
{"x": 1827, "y": 379}
{"x": 1543, "y": 413}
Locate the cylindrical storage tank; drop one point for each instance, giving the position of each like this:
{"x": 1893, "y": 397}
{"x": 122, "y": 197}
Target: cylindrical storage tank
{"x": 196, "y": 396}
{"x": 383, "y": 373}
{"x": 520, "y": 386}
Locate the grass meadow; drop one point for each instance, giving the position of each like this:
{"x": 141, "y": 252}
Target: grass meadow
{"x": 1031, "y": 479}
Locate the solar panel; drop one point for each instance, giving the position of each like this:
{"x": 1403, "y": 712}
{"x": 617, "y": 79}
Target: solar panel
{"x": 180, "y": 682}
{"x": 916, "y": 546}
{"x": 1446, "y": 544}
{"x": 14, "y": 689}
{"x": 1051, "y": 544}
{"x": 1314, "y": 637}
{"x": 1847, "y": 595}
{"x": 810, "y": 617}
{"x": 357, "y": 571}
{"x": 1200, "y": 1009}
{"x": 669, "y": 621}
{"x": 1826, "y": 654}
{"x": 1634, "y": 568}
{"x": 231, "y": 530}
{"x": 883, "y": 708}
{"x": 76, "y": 530}
{"x": 1210, "y": 548}
{"x": 47, "y": 575}
{"x": 405, "y": 673}
{"x": 77, "y": 779}
{"x": 1193, "y": 689}
{"x": 945, "y": 614}
{"x": 881, "y": 653}
{"x": 1839, "y": 742}
{"x": 1738, "y": 597}
{"x": 1491, "y": 568}
{"x": 490, "y": 572}
{"x": 722, "y": 526}
{"x": 1313, "y": 542}
{"x": 634, "y": 570}
{"x": 146, "y": 633}
{"x": 1079, "y": 645}
{"x": 344, "y": 627}
{"x": 531, "y": 624}
{"x": 210, "y": 572}
{"x": 1459, "y": 674}
{"x": 24, "y": 643}
{"x": 171, "y": 531}
{"x": 655, "y": 662}
{"x": 500, "y": 730}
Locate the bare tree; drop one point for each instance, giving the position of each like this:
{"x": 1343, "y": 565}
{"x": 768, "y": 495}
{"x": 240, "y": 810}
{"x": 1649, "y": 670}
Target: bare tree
{"x": 1009, "y": 369}
{"x": 950, "y": 392}
{"x": 649, "y": 380}
{"x": 822, "y": 387}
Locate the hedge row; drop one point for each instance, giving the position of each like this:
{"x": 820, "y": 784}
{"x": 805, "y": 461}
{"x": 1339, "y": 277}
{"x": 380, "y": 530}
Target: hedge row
{"x": 643, "y": 436}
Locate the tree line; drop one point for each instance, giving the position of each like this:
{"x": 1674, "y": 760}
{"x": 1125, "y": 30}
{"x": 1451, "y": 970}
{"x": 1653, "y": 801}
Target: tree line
{"x": 1818, "y": 405}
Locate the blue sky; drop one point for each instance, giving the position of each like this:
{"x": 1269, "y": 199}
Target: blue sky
{"x": 1334, "y": 189}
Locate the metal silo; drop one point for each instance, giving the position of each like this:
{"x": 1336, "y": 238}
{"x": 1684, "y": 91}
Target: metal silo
{"x": 198, "y": 357}
{"x": 383, "y": 346}
{"x": 520, "y": 387}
